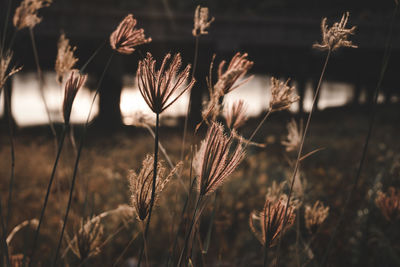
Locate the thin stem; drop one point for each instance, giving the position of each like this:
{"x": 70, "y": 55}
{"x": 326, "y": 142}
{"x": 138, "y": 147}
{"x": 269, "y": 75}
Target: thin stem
{"x": 296, "y": 167}
{"x": 12, "y": 151}
{"x": 41, "y": 84}
{"x": 153, "y": 190}
{"x": 265, "y": 255}
{"x": 3, "y": 236}
{"x": 78, "y": 156}
{"x": 46, "y": 199}
{"x": 257, "y": 128}
{"x": 125, "y": 249}
{"x": 3, "y": 41}
{"x": 385, "y": 62}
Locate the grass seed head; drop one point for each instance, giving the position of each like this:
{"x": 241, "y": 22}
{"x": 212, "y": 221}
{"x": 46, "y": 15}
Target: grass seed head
{"x": 5, "y": 73}
{"x": 314, "y": 216}
{"x": 26, "y": 15}
{"x": 294, "y": 136}
{"x": 282, "y": 95}
{"x": 65, "y": 58}
{"x": 389, "y": 204}
{"x": 72, "y": 86}
{"x": 236, "y": 115}
{"x": 201, "y": 22}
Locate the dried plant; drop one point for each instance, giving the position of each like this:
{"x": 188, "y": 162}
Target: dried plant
{"x": 141, "y": 185}
{"x": 4, "y": 67}
{"x": 294, "y": 136}
{"x": 267, "y": 225}
{"x": 275, "y": 192}
{"x": 282, "y": 95}
{"x": 26, "y": 15}
{"x": 201, "y": 22}
{"x": 236, "y": 115}
{"x": 336, "y": 36}
{"x": 32, "y": 223}
{"x": 88, "y": 239}
{"x": 65, "y": 60}
{"x": 158, "y": 87}
{"x": 74, "y": 83}
{"x": 314, "y": 216}
{"x": 389, "y": 204}
{"x": 126, "y": 37}
{"x": 213, "y": 162}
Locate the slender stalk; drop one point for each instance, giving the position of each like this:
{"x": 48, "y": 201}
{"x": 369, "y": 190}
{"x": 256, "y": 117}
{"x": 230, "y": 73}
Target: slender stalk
{"x": 46, "y": 199}
{"x": 296, "y": 167}
{"x": 192, "y": 223}
{"x": 196, "y": 52}
{"x": 153, "y": 189}
{"x": 41, "y": 84}
{"x": 265, "y": 264}
{"x": 12, "y": 154}
{"x": 125, "y": 249}
{"x": 78, "y": 156}
{"x": 257, "y": 128}
{"x": 3, "y": 237}
{"x": 372, "y": 114}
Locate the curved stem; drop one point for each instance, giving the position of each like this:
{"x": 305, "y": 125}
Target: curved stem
{"x": 257, "y": 128}
{"x": 153, "y": 190}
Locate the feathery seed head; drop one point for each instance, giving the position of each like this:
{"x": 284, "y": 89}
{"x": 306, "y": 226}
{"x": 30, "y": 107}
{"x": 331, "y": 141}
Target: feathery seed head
{"x": 267, "y": 225}
{"x": 126, "y": 37}
{"x": 201, "y": 22}
{"x": 389, "y": 204}
{"x": 336, "y": 36}
{"x": 282, "y": 96}
{"x": 294, "y": 136}
{"x": 157, "y": 87}
{"x": 26, "y": 15}
{"x": 141, "y": 185}
{"x": 65, "y": 58}
{"x": 4, "y": 66}
{"x": 314, "y": 216}
{"x": 214, "y": 161}
{"x": 88, "y": 239}
{"x": 236, "y": 115}
{"x": 73, "y": 84}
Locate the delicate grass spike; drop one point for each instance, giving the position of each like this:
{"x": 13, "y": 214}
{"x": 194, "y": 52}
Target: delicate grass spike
{"x": 389, "y": 204}
{"x": 32, "y": 223}
{"x": 314, "y": 216}
{"x": 214, "y": 161}
{"x": 282, "y": 95}
{"x": 294, "y": 135}
{"x": 201, "y": 21}
{"x": 126, "y": 37}
{"x": 66, "y": 59}
{"x": 336, "y": 36}
{"x": 141, "y": 184}
{"x": 74, "y": 83}
{"x": 5, "y": 71}
{"x": 236, "y": 116}
{"x": 158, "y": 87}
{"x": 26, "y": 15}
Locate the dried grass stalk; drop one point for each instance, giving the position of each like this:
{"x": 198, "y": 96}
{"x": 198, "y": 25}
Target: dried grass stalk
{"x": 201, "y": 22}
{"x": 26, "y": 15}
{"x": 282, "y": 95}
{"x": 294, "y": 136}
{"x": 314, "y": 216}
{"x": 157, "y": 87}
{"x": 126, "y": 37}
{"x": 65, "y": 60}
{"x": 5, "y": 73}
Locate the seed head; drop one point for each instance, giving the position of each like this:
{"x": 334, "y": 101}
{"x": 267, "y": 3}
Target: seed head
{"x": 126, "y": 37}
{"x": 4, "y": 67}
{"x": 282, "y": 96}
{"x": 201, "y": 22}
{"x": 236, "y": 115}
{"x": 88, "y": 239}
{"x": 65, "y": 58}
{"x": 158, "y": 87}
{"x": 294, "y": 136}
{"x": 26, "y": 15}
{"x": 141, "y": 185}
{"x": 314, "y": 216}
{"x": 214, "y": 162}
{"x": 336, "y": 36}
{"x": 73, "y": 84}
{"x": 267, "y": 225}
{"x": 389, "y": 204}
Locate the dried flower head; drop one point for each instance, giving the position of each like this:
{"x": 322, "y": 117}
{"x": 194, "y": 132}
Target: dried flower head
{"x": 314, "y": 216}
{"x": 74, "y": 83}
{"x": 282, "y": 96}
{"x": 201, "y": 22}
{"x": 236, "y": 115}
{"x": 267, "y": 225}
{"x": 389, "y": 204}
{"x": 26, "y": 15}
{"x": 214, "y": 161}
{"x": 4, "y": 66}
{"x": 141, "y": 185}
{"x": 126, "y": 37}
{"x": 276, "y": 192}
{"x": 158, "y": 87}
{"x": 65, "y": 58}
{"x": 88, "y": 239}
{"x": 336, "y": 36}
{"x": 294, "y": 136}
